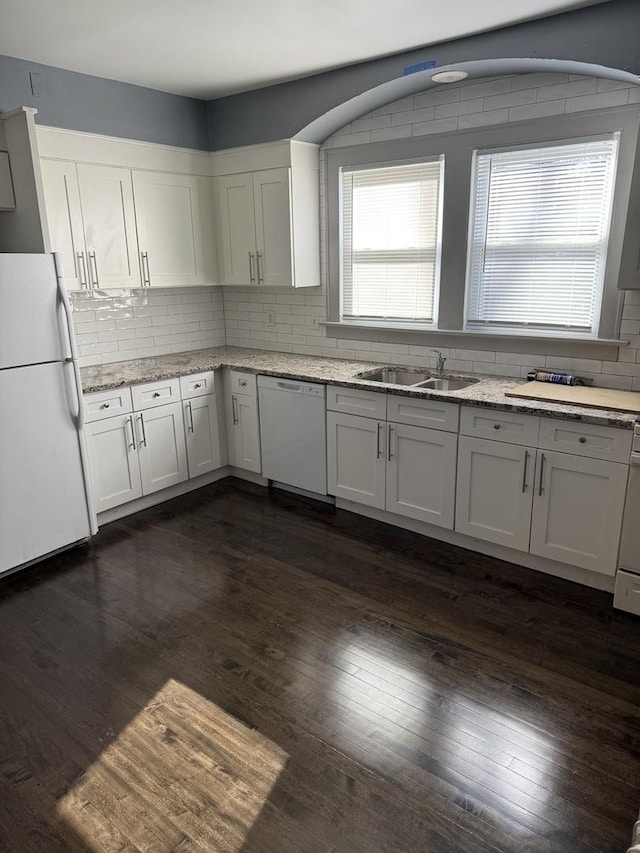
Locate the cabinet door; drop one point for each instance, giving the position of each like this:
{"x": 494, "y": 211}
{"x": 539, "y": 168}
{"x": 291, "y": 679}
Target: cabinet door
{"x": 272, "y": 201}
{"x": 356, "y": 459}
{"x": 161, "y": 447}
{"x": 244, "y": 451}
{"x": 203, "y": 439}
{"x": 106, "y": 194}
{"x": 237, "y": 233}
{"x": 495, "y": 491}
{"x": 168, "y": 212}
{"x": 577, "y": 511}
{"x": 421, "y": 473}
{"x": 64, "y": 217}
{"x": 113, "y": 462}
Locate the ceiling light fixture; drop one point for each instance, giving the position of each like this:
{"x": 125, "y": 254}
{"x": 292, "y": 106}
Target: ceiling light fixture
{"x": 449, "y": 76}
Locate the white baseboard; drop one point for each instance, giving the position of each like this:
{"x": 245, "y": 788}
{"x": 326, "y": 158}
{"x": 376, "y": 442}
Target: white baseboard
{"x": 520, "y": 558}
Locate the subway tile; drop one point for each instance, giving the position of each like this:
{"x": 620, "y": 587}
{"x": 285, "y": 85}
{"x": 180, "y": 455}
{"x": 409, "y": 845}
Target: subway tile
{"x": 399, "y": 106}
{"x": 538, "y": 80}
{"x": 481, "y": 90}
{"x": 435, "y": 98}
{"x": 362, "y": 138}
{"x": 371, "y": 123}
{"x": 425, "y": 114}
{"x": 444, "y": 125}
{"x": 602, "y": 100}
{"x": 510, "y": 99}
{"x": 459, "y": 108}
{"x": 575, "y": 88}
{"x": 483, "y": 119}
{"x": 540, "y": 110}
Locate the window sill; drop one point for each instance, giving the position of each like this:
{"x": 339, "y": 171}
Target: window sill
{"x": 570, "y": 346}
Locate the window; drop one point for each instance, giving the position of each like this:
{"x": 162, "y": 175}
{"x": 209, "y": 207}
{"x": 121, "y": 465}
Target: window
{"x": 515, "y": 232}
{"x": 539, "y": 229}
{"x": 390, "y": 242}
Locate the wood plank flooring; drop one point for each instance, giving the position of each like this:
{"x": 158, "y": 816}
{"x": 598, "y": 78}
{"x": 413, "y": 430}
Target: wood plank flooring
{"x": 247, "y": 671}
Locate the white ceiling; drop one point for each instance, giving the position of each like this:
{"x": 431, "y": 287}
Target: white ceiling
{"x": 209, "y": 48}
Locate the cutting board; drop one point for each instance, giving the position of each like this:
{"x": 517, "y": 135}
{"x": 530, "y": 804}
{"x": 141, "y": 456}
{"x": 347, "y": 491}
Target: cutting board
{"x": 579, "y": 395}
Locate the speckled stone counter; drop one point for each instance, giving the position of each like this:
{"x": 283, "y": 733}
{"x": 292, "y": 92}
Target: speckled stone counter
{"x": 488, "y": 391}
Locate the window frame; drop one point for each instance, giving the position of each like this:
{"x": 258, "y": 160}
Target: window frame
{"x": 539, "y": 331}
{"x": 385, "y": 322}
{"x": 458, "y": 149}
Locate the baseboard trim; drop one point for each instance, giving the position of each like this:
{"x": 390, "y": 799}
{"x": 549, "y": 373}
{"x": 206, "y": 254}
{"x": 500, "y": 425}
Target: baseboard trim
{"x": 520, "y": 558}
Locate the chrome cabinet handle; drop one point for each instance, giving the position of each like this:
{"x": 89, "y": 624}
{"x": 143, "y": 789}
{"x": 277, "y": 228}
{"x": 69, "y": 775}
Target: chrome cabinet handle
{"x": 143, "y": 440}
{"x": 132, "y": 443}
{"x": 260, "y": 274}
{"x": 389, "y": 453}
{"x": 378, "y": 451}
{"x": 524, "y": 471}
{"x": 82, "y": 268}
{"x": 198, "y": 385}
{"x": 233, "y": 409}
{"x": 146, "y": 276}
{"x": 540, "y": 487}
{"x": 94, "y": 272}
{"x": 190, "y": 410}
{"x": 252, "y": 277}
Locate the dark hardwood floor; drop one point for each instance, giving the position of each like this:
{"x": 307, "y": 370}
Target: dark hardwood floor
{"x": 244, "y": 671}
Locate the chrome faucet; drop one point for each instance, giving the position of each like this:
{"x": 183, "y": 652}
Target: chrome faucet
{"x": 440, "y": 361}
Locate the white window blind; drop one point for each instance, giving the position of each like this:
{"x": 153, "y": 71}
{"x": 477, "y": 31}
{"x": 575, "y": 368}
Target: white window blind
{"x": 538, "y": 236}
{"x": 391, "y": 235}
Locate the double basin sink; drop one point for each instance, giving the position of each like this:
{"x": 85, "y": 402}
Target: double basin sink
{"x": 415, "y": 379}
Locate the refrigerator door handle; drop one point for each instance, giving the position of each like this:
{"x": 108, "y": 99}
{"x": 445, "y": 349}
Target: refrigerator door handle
{"x": 64, "y": 299}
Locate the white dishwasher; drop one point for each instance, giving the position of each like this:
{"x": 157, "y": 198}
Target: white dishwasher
{"x": 293, "y": 434}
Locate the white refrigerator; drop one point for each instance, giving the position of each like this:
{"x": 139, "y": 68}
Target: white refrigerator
{"x": 45, "y": 498}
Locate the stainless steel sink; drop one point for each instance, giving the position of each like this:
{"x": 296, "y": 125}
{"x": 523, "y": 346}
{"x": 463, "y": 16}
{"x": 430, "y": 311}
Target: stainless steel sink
{"x": 447, "y": 384}
{"x": 395, "y": 377}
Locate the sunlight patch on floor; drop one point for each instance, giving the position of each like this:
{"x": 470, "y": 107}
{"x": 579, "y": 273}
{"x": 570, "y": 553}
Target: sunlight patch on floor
{"x": 182, "y": 768}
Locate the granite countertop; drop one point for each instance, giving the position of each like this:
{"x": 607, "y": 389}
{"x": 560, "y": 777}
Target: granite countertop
{"x": 488, "y": 391}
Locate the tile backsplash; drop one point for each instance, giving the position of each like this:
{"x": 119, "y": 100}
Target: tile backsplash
{"x": 117, "y": 325}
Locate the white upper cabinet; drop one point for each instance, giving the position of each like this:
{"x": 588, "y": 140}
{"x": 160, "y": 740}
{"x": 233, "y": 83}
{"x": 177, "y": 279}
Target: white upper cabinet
{"x": 106, "y": 196}
{"x": 236, "y": 228}
{"x": 92, "y": 224}
{"x": 268, "y": 218}
{"x": 64, "y": 213}
{"x": 274, "y": 233}
{"x": 171, "y": 218}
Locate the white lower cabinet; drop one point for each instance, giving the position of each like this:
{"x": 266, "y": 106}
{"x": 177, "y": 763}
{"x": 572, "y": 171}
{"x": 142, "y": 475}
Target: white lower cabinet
{"x": 355, "y": 459}
{"x": 203, "y": 437}
{"x": 243, "y": 423}
{"x": 560, "y": 506}
{"x": 404, "y": 469}
{"x": 161, "y": 447}
{"x": 495, "y": 491}
{"x": 577, "y": 510}
{"x": 113, "y": 461}
{"x": 244, "y": 435}
{"x": 420, "y": 471}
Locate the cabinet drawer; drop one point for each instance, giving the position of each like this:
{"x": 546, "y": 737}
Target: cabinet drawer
{"x": 499, "y": 426}
{"x": 356, "y": 401}
{"x": 155, "y": 394}
{"x": 427, "y": 413}
{"x": 599, "y": 442}
{"x": 197, "y": 384}
{"x": 106, "y": 404}
{"x": 242, "y": 383}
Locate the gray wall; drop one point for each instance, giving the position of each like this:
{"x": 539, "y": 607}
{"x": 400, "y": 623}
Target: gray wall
{"x": 95, "y": 105}
{"x": 606, "y": 34}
